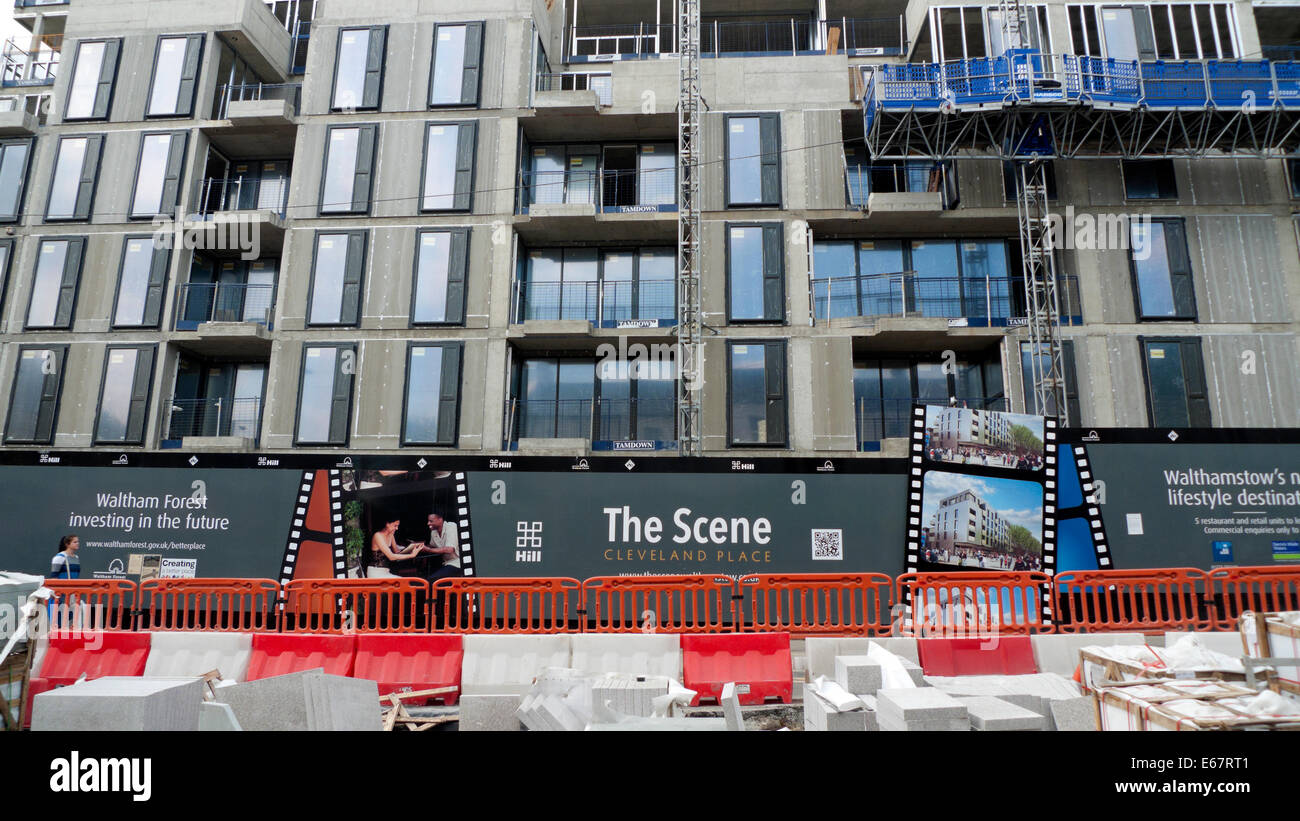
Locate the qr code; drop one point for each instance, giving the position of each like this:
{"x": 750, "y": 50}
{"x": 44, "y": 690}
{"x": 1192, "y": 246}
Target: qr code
{"x": 827, "y": 545}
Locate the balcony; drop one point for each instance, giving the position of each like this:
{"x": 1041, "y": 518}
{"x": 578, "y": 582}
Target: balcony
{"x": 574, "y": 91}
{"x": 563, "y": 201}
{"x": 954, "y": 302}
{"x": 576, "y": 425}
{"x": 912, "y": 187}
{"x": 610, "y": 304}
{"x": 876, "y": 419}
{"x": 214, "y": 424}
{"x": 226, "y": 319}
{"x": 30, "y": 66}
{"x": 775, "y": 36}
{"x": 16, "y": 121}
{"x": 241, "y": 216}
{"x": 255, "y": 119}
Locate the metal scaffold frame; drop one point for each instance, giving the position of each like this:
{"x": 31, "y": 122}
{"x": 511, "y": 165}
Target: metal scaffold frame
{"x": 690, "y": 355}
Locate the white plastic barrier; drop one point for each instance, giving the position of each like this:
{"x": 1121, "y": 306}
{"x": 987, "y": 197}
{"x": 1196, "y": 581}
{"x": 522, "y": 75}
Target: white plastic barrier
{"x": 1060, "y": 653}
{"x": 174, "y": 654}
{"x": 497, "y": 665}
{"x": 631, "y": 654}
{"x": 822, "y": 650}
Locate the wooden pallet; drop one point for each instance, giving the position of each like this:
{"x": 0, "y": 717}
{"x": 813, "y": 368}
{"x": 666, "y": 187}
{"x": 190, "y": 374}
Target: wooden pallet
{"x": 396, "y": 715}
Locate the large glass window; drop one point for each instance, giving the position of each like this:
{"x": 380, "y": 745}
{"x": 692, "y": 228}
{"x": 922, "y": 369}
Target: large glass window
{"x": 358, "y": 74}
{"x": 1162, "y": 270}
{"x": 1032, "y": 405}
{"x": 755, "y": 273}
{"x": 54, "y": 286}
{"x": 1149, "y": 180}
{"x": 756, "y": 393}
{"x": 158, "y": 176}
{"x": 34, "y": 398}
{"x": 175, "y": 76}
{"x": 457, "y": 57}
{"x": 609, "y": 400}
{"x": 124, "y": 396}
{"x": 885, "y": 389}
{"x": 753, "y": 159}
{"x": 72, "y": 185}
{"x": 140, "y": 283}
{"x": 605, "y": 286}
{"x": 1176, "y": 392}
{"x": 1165, "y": 31}
{"x": 91, "y": 90}
{"x": 325, "y": 397}
{"x": 441, "y": 261}
{"x": 349, "y": 160}
{"x": 448, "y": 167}
{"x": 14, "y": 155}
{"x": 337, "y": 269}
{"x": 432, "y": 394}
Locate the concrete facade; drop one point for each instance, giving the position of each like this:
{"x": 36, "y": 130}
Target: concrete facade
{"x": 1237, "y": 215}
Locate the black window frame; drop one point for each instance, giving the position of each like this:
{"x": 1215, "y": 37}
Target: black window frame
{"x": 184, "y": 102}
{"x": 370, "y": 101}
{"x": 457, "y": 279}
{"x": 139, "y": 401}
{"x": 768, "y": 228}
{"x": 23, "y": 178}
{"x": 354, "y": 310}
{"x": 88, "y": 181}
{"x": 1163, "y": 173}
{"x": 1293, "y": 176}
{"x": 66, "y": 291}
{"x": 61, "y": 354}
{"x": 155, "y": 288}
{"x": 784, "y": 397}
{"x": 766, "y": 120}
{"x": 449, "y": 348}
{"x": 363, "y": 161}
{"x": 104, "y": 87}
{"x": 1185, "y": 299}
{"x": 1187, "y": 343}
{"x": 9, "y": 245}
{"x": 462, "y": 200}
{"x": 341, "y": 347}
{"x": 474, "y": 30}
{"x": 175, "y": 160}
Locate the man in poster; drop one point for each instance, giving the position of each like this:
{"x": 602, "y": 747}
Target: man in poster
{"x": 443, "y": 540}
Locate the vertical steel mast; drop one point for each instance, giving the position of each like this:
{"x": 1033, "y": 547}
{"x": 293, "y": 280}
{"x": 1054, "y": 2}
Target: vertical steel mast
{"x": 690, "y": 354}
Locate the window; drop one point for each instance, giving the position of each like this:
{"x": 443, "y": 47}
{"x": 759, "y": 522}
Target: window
{"x": 755, "y": 273}
{"x": 457, "y": 59}
{"x": 1175, "y": 374}
{"x": 124, "y": 397}
{"x": 1009, "y": 171}
{"x": 14, "y": 155}
{"x": 336, "y": 272}
{"x": 34, "y": 397}
{"x": 175, "y": 76}
{"x": 970, "y": 32}
{"x": 432, "y": 394}
{"x": 1149, "y": 180}
{"x": 638, "y": 400}
{"x": 448, "y": 166}
{"x": 140, "y": 283}
{"x": 72, "y": 185}
{"x": 756, "y": 390}
{"x": 605, "y": 286}
{"x": 1071, "y": 381}
{"x": 753, "y": 159}
{"x": 1293, "y": 174}
{"x": 349, "y": 163}
{"x": 325, "y": 397}
{"x": 441, "y": 262}
{"x": 227, "y": 291}
{"x": 158, "y": 175}
{"x": 1165, "y": 31}
{"x": 359, "y": 72}
{"x": 1162, "y": 270}
{"x": 605, "y": 401}
{"x": 6, "y": 257}
{"x": 90, "y": 93}
{"x": 54, "y": 287}
{"x": 885, "y": 389}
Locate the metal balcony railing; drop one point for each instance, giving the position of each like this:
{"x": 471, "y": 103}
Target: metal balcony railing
{"x": 226, "y": 302}
{"x": 876, "y": 35}
{"x": 861, "y": 36}
{"x": 792, "y": 36}
{"x": 878, "y": 419}
{"x": 215, "y": 417}
{"x": 985, "y": 300}
{"x": 243, "y": 194}
{"x": 601, "y": 82}
{"x": 627, "y": 40}
{"x": 21, "y": 66}
{"x": 590, "y": 419}
{"x": 606, "y": 302}
{"x": 27, "y": 4}
{"x": 241, "y": 92}
{"x": 649, "y": 188}
{"x": 897, "y": 178}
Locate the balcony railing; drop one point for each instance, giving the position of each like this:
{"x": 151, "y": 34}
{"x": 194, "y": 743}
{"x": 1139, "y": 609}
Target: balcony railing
{"x": 21, "y": 67}
{"x": 621, "y": 41}
{"x": 865, "y": 36}
{"x": 27, "y": 4}
{"x": 241, "y": 92}
{"x": 595, "y": 420}
{"x": 651, "y": 189}
{"x": 982, "y": 301}
{"x": 224, "y": 302}
{"x": 243, "y": 194}
{"x": 215, "y": 417}
{"x": 878, "y": 419}
{"x": 601, "y": 82}
{"x": 604, "y": 303}
{"x": 898, "y": 178}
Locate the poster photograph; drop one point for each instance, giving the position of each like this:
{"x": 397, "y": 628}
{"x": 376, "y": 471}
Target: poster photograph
{"x": 404, "y": 524}
{"x": 982, "y": 523}
{"x": 983, "y": 438}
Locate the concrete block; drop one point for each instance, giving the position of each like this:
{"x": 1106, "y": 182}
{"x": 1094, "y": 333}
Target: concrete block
{"x": 1060, "y": 653}
{"x": 991, "y": 714}
{"x": 821, "y": 651}
{"x": 730, "y": 703}
{"x": 310, "y": 700}
{"x": 918, "y": 704}
{"x": 820, "y": 715}
{"x": 480, "y": 713}
{"x": 916, "y": 672}
{"x": 629, "y": 695}
{"x": 339, "y": 703}
{"x": 509, "y": 664}
{"x": 214, "y": 717}
{"x": 943, "y": 725}
{"x": 858, "y": 674}
{"x": 558, "y": 715}
{"x": 633, "y": 655}
{"x": 1075, "y": 714}
{"x": 118, "y": 703}
{"x": 194, "y": 654}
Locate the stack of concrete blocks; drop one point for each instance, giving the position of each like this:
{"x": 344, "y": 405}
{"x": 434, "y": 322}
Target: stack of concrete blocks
{"x": 822, "y": 651}
{"x": 498, "y": 671}
{"x": 920, "y": 709}
{"x": 560, "y": 700}
{"x": 310, "y": 700}
{"x": 629, "y": 695}
{"x": 1046, "y": 694}
{"x": 196, "y": 654}
{"x": 1060, "y": 653}
{"x": 821, "y": 714}
{"x": 989, "y": 714}
{"x": 118, "y": 703}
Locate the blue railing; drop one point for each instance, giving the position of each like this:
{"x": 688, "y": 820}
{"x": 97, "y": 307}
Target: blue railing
{"x": 978, "y": 301}
{"x": 607, "y": 303}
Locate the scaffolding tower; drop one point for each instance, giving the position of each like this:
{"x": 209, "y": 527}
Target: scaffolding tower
{"x": 690, "y": 353}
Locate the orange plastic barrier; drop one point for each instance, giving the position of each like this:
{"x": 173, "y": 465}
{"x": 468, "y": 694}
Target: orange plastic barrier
{"x": 852, "y": 604}
{"x": 759, "y": 664}
{"x": 671, "y": 604}
{"x": 275, "y": 654}
{"x": 208, "y": 604}
{"x": 1099, "y": 601}
{"x": 411, "y": 664}
{"x": 1261, "y": 589}
{"x": 974, "y": 603}
{"x": 354, "y": 605}
{"x": 91, "y": 604}
{"x": 495, "y": 605}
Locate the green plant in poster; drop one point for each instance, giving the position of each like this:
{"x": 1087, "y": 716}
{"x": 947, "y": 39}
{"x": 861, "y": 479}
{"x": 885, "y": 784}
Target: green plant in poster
{"x": 354, "y": 538}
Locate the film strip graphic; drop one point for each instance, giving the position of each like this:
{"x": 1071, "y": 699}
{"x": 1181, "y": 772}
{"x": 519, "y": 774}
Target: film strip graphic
{"x": 919, "y": 466}
{"x": 1096, "y": 528}
{"x": 462, "y": 524}
{"x": 315, "y": 545}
